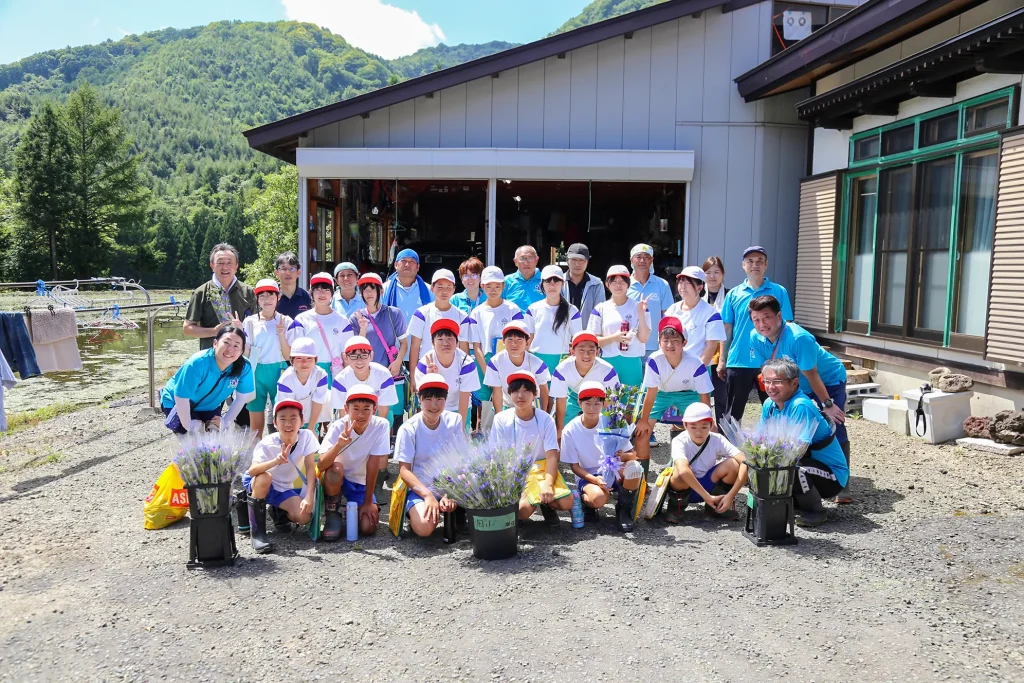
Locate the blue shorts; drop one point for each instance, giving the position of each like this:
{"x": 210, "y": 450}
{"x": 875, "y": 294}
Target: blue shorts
{"x": 354, "y": 492}
{"x": 411, "y": 498}
{"x": 581, "y": 482}
{"x": 274, "y": 497}
{"x": 706, "y": 482}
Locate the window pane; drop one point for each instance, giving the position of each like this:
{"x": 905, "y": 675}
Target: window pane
{"x": 898, "y": 140}
{"x": 862, "y": 228}
{"x": 940, "y": 129}
{"x": 866, "y": 148}
{"x": 978, "y": 198}
{"x": 894, "y": 236}
{"x": 988, "y": 116}
{"x": 931, "y": 231}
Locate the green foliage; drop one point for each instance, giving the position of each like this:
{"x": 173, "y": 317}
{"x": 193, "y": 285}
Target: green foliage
{"x": 273, "y": 222}
{"x": 599, "y": 10}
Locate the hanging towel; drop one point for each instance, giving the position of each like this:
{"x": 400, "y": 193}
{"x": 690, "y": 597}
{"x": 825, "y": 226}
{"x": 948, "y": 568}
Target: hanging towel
{"x": 16, "y": 345}
{"x": 7, "y": 381}
{"x": 54, "y": 340}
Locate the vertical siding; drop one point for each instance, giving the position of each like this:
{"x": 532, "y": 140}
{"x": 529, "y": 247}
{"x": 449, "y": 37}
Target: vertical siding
{"x": 815, "y": 242}
{"x": 478, "y": 112}
{"x": 1005, "y": 319}
{"x": 557, "y": 102}
{"x": 583, "y": 93}
{"x": 530, "y": 101}
{"x": 690, "y": 70}
{"x": 377, "y": 128}
{"x": 403, "y": 124}
{"x": 717, "y": 74}
{"x": 428, "y": 121}
{"x": 791, "y": 168}
{"x": 636, "y": 91}
{"x": 739, "y": 210}
{"x": 504, "y": 109}
{"x": 714, "y": 178}
{"x": 743, "y": 57}
{"x": 662, "y": 91}
{"x": 453, "y": 116}
{"x": 350, "y": 132}
{"x": 610, "y": 59}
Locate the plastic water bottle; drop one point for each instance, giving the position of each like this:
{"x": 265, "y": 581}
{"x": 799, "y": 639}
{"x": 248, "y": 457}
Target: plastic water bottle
{"x": 352, "y": 521}
{"x": 624, "y": 327}
{"x": 577, "y": 509}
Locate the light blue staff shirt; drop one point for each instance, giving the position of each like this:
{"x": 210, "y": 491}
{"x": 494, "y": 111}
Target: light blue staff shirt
{"x": 522, "y": 292}
{"x": 801, "y": 409}
{"x": 660, "y": 299}
{"x": 347, "y": 308}
{"x": 735, "y": 312}
{"x": 198, "y": 376}
{"x": 798, "y": 345}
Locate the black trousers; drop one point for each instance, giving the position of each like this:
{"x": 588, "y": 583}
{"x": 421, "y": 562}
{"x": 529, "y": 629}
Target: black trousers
{"x": 739, "y": 382}
{"x": 721, "y": 394}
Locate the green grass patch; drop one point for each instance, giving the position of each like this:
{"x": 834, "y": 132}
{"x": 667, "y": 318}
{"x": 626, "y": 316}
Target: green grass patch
{"x": 17, "y": 422}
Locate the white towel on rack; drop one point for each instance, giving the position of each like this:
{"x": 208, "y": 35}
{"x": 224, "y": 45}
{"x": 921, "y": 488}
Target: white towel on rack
{"x": 53, "y": 338}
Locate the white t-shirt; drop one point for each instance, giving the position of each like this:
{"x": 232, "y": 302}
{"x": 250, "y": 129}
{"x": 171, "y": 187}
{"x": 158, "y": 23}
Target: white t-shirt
{"x": 607, "y": 319}
{"x": 375, "y": 440}
{"x": 689, "y": 375}
{"x": 540, "y": 321}
{"x": 702, "y": 324}
{"x": 566, "y": 377}
{"x": 501, "y": 366}
{"x": 262, "y": 337}
{"x": 337, "y": 330}
{"x": 424, "y": 317}
{"x": 286, "y": 477}
{"x": 380, "y": 380}
{"x": 461, "y": 377}
{"x": 418, "y": 445}
{"x": 582, "y": 446}
{"x": 718, "y": 449}
{"x": 317, "y": 389}
{"x": 485, "y": 324}
{"x": 540, "y": 432}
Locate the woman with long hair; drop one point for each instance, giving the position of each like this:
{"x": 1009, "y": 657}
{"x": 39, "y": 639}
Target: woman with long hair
{"x": 553, "y": 321}
{"x": 622, "y": 326}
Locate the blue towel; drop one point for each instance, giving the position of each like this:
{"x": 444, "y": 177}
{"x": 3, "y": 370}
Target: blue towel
{"x": 16, "y": 345}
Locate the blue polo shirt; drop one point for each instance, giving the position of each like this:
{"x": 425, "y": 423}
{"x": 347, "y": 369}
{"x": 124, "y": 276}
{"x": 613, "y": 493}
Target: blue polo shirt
{"x": 660, "y": 298}
{"x": 298, "y": 302}
{"x": 198, "y": 379}
{"x": 736, "y": 313}
{"x": 800, "y": 409}
{"x": 522, "y": 292}
{"x": 462, "y": 301}
{"x": 798, "y": 345}
{"x": 347, "y": 308}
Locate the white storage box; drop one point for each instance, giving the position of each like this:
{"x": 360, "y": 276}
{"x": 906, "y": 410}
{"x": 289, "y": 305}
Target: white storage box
{"x": 944, "y": 414}
{"x": 876, "y": 410}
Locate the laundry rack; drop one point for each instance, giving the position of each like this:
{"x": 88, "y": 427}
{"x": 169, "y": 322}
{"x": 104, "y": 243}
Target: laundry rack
{"x": 101, "y": 309}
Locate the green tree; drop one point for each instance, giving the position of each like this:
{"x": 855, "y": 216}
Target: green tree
{"x": 43, "y": 183}
{"x": 273, "y": 221}
{"x": 106, "y": 191}
{"x": 8, "y": 221}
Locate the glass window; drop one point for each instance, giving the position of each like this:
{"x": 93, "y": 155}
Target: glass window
{"x": 898, "y": 140}
{"x": 983, "y": 118}
{"x": 977, "y": 224}
{"x": 894, "y": 218}
{"x": 940, "y": 129}
{"x": 864, "y": 197}
{"x": 865, "y": 148}
{"x": 932, "y": 227}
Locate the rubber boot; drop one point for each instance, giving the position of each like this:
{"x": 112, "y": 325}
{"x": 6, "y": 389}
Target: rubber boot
{"x": 461, "y": 521}
{"x": 591, "y": 515}
{"x": 550, "y": 516}
{"x": 258, "y": 526}
{"x": 675, "y": 504}
{"x": 333, "y": 522}
{"x": 280, "y": 518}
{"x": 844, "y": 496}
{"x": 809, "y": 512}
{"x": 242, "y": 511}
{"x": 378, "y": 489}
{"x": 624, "y": 510}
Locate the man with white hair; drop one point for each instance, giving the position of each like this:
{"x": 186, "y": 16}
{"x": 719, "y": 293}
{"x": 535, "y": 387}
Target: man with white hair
{"x": 644, "y": 284}
{"x": 523, "y": 286}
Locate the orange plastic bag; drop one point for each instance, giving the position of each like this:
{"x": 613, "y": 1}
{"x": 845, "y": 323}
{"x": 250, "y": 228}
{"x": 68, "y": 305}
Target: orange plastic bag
{"x": 168, "y": 501}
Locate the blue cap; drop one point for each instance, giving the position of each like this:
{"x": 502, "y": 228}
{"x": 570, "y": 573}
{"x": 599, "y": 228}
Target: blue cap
{"x": 407, "y": 253}
{"x": 345, "y": 265}
{"x": 754, "y": 250}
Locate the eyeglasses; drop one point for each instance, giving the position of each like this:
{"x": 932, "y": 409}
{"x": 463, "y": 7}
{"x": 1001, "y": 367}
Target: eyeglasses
{"x": 287, "y": 269}
{"x": 526, "y": 259}
{"x": 358, "y": 355}
{"x": 471, "y": 276}
{"x": 775, "y": 382}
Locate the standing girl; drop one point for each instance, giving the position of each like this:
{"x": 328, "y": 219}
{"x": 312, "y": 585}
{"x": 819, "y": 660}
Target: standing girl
{"x": 267, "y": 350}
{"x": 622, "y": 326}
{"x": 553, "y": 321}
{"x": 702, "y": 324}
{"x": 581, "y": 366}
{"x": 714, "y": 294}
{"x": 384, "y": 327}
{"x": 325, "y": 326}
{"x": 472, "y": 296}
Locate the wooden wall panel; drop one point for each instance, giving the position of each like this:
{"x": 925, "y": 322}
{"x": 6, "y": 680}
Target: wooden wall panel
{"x": 815, "y": 252}
{"x": 1005, "y": 315}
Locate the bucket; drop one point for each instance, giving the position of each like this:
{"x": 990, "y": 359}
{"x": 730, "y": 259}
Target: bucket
{"x": 494, "y": 533}
{"x": 211, "y": 536}
{"x": 770, "y": 514}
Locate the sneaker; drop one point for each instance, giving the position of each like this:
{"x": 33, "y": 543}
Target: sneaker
{"x": 591, "y": 515}
{"x": 550, "y": 516}
{"x": 811, "y": 518}
{"x": 653, "y": 441}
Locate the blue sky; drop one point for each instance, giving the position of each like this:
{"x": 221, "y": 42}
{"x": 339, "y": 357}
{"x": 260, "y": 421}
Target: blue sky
{"x": 386, "y": 27}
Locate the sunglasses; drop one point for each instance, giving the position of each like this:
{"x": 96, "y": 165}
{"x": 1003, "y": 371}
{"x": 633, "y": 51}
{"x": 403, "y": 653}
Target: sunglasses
{"x": 553, "y": 280}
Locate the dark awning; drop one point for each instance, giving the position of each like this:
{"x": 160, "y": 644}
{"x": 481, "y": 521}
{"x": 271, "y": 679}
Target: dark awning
{"x": 995, "y": 47}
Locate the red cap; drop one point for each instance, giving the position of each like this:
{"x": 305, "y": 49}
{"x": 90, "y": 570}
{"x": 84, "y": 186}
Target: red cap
{"x": 515, "y": 325}
{"x": 582, "y": 337}
{"x": 370, "y": 279}
{"x": 521, "y": 374}
{"x": 361, "y": 392}
{"x": 358, "y": 343}
{"x": 592, "y": 390}
{"x": 444, "y": 324}
{"x": 432, "y": 380}
{"x": 321, "y": 279}
{"x": 287, "y": 403}
{"x": 671, "y": 323}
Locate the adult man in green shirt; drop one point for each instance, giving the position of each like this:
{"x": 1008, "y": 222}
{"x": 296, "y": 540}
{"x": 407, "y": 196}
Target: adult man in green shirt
{"x": 221, "y": 301}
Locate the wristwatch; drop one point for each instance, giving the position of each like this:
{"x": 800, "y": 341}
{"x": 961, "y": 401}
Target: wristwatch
{"x": 828, "y": 404}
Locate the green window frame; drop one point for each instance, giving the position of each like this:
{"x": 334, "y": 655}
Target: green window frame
{"x": 894, "y": 210}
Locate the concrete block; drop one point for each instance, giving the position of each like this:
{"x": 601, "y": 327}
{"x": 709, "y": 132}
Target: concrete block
{"x": 989, "y": 446}
{"x": 866, "y": 389}
{"x": 876, "y": 410}
{"x": 944, "y": 414}
{"x": 898, "y": 418}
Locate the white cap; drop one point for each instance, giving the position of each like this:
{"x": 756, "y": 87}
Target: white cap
{"x": 443, "y": 274}
{"x": 617, "y": 270}
{"x": 432, "y": 380}
{"x": 642, "y": 249}
{"x": 370, "y": 278}
{"x": 304, "y": 346}
{"x": 358, "y": 343}
{"x": 693, "y": 272}
{"x": 267, "y": 285}
{"x": 492, "y": 274}
{"x": 592, "y": 389}
{"x": 696, "y": 412}
{"x": 551, "y": 271}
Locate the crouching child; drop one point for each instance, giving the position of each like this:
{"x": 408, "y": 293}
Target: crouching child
{"x": 706, "y": 468}
{"x": 582, "y": 450}
{"x": 276, "y": 461}
{"x": 353, "y": 452}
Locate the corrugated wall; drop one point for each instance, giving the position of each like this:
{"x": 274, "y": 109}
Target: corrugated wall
{"x": 815, "y": 252}
{"x": 1005, "y": 332}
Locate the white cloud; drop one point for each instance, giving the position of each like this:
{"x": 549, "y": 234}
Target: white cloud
{"x": 371, "y": 25}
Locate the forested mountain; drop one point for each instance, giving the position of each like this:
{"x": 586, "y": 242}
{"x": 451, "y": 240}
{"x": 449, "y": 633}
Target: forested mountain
{"x": 599, "y": 10}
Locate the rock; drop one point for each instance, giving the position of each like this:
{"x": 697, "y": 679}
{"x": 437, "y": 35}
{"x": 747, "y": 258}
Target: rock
{"x": 989, "y": 446}
{"x": 953, "y": 383}
{"x": 1008, "y": 427}
{"x": 937, "y": 373}
{"x": 858, "y": 376}
{"x": 978, "y": 427}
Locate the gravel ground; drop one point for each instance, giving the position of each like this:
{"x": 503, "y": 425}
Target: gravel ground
{"x": 920, "y": 579}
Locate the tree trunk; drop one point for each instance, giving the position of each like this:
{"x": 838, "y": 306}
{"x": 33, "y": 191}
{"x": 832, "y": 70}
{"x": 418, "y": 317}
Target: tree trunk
{"x": 53, "y": 251}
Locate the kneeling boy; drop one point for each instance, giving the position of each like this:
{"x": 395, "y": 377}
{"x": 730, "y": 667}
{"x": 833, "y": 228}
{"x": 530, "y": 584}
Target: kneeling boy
{"x": 706, "y": 467}
{"x": 582, "y": 449}
{"x": 276, "y": 462}
{"x": 418, "y": 442}
{"x": 354, "y": 450}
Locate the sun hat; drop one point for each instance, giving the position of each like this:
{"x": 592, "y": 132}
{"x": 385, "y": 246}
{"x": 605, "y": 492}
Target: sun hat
{"x": 370, "y": 279}
{"x": 321, "y": 279}
{"x": 521, "y": 374}
{"x": 591, "y": 389}
{"x": 304, "y": 346}
{"x": 617, "y": 271}
{"x": 692, "y": 272}
{"x": 287, "y": 403}
{"x": 670, "y": 322}
{"x": 358, "y": 343}
{"x": 444, "y": 324}
{"x": 492, "y": 274}
{"x": 345, "y": 265}
{"x": 361, "y": 392}
{"x": 551, "y": 271}
{"x": 642, "y": 249}
{"x": 267, "y": 285}
{"x": 754, "y": 250}
{"x": 443, "y": 274}
{"x": 582, "y": 336}
{"x": 432, "y": 380}
{"x": 516, "y": 326}
{"x": 697, "y": 412}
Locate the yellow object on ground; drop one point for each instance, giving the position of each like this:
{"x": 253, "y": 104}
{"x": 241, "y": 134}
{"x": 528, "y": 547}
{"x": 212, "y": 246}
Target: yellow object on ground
{"x": 537, "y": 474}
{"x": 168, "y": 501}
